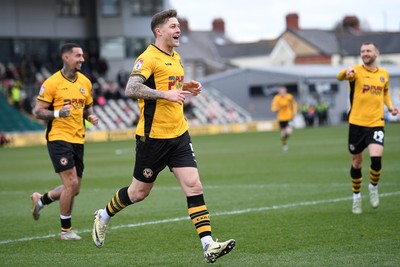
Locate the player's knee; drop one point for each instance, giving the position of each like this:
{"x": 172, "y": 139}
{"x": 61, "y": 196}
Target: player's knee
{"x": 75, "y": 187}
{"x": 137, "y": 196}
{"x": 357, "y": 162}
{"x": 195, "y": 187}
{"x": 376, "y": 163}
{"x": 140, "y": 196}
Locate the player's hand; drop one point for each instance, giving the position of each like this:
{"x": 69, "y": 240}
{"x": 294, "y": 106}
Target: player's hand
{"x": 65, "y": 111}
{"x": 176, "y": 95}
{"x": 394, "y": 111}
{"x": 93, "y": 119}
{"x": 193, "y": 87}
{"x": 350, "y": 72}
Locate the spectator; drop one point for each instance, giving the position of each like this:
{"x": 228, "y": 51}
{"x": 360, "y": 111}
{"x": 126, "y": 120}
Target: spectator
{"x": 322, "y": 112}
{"x": 3, "y": 140}
{"x": 16, "y": 95}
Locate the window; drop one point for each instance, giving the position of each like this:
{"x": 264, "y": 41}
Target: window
{"x": 136, "y": 46}
{"x": 146, "y": 7}
{"x": 110, "y": 8}
{"x": 70, "y": 8}
{"x": 269, "y": 90}
{"x": 112, "y": 48}
{"x": 323, "y": 88}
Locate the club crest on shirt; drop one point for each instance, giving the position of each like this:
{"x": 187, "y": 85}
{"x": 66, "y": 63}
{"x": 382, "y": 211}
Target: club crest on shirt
{"x": 63, "y": 161}
{"x": 382, "y": 79}
{"x": 82, "y": 90}
{"x": 147, "y": 173}
{"x": 41, "y": 91}
{"x": 139, "y": 64}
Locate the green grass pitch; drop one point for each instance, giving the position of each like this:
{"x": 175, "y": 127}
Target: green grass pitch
{"x": 283, "y": 209}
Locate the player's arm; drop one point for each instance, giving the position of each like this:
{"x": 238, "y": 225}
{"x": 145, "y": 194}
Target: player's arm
{"x": 193, "y": 86}
{"x": 274, "y": 105}
{"x": 135, "y": 88}
{"x": 42, "y": 111}
{"x": 388, "y": 102}
{"x": 294, "y": 107}
{"x": 346, "y": 74}
{"x": 89, "y": 115}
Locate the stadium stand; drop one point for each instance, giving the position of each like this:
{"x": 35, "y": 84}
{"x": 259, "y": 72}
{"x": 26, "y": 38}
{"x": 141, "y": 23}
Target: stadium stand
{"x": 12, "y": 120}
{"x": 210, "y": 107}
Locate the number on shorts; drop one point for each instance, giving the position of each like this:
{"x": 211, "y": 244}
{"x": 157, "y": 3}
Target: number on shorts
{"x": 378, "y": 136}
{"x": 191, "y": 147}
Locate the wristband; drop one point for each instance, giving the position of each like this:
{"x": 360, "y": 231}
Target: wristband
{"x": 56, "y": 113}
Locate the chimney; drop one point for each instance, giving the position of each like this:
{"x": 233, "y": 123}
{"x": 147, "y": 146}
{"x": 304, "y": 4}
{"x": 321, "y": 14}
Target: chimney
{"x": 351, "y": 22}
{"x": 292, "y": 21}
{"x": 218, "y": 25}
{"x": 184, "y": 25}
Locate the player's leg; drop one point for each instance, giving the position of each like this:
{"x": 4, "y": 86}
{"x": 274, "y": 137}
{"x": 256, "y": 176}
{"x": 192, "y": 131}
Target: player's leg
{"x": 189, "y": 181}
{"x": 285, "y": 131}
{"x": 71, "y": 171}
{"x": 124, "y": 197}
{"x": 39, "y": 200}
{"x": 184, "y": 166}
{"x": 356, "y": 180}
{"x": 288, "y": 131}
{"x": 375, "y": 170}
{"x": 356, "y": 146}
{"x": 71, "y": 187}
{"x": 188, "y": 178}
{"x": 148, "y": 163}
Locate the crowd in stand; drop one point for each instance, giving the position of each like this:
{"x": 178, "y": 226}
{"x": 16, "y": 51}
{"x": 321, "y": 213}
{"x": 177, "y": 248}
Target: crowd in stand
{"x": 20, "y": 82}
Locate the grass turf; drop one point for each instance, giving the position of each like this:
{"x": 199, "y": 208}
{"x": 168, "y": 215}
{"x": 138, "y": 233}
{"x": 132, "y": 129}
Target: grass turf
{"x": 283, "y": 209}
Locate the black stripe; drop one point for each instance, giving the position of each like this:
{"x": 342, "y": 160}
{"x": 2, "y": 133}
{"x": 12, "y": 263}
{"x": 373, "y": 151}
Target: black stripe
{"x": 49, "y": 123}
{"x": 202, "y": 223}
{"x": 352, "y": 86}
{"x": 198, "y": 214}
{"x": 149, "y": 107}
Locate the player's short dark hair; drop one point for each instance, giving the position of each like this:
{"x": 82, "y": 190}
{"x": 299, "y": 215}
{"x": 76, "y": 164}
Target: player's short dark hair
{"x": 161, "y": 17}
{"x": 68, "y": 47}
{"x": 371, "y": 43}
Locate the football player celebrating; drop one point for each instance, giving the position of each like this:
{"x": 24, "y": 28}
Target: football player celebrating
{"x": 369, "y": 92}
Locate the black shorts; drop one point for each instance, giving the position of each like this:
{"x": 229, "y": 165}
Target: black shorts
{"x": 66, "y": 155}
{"x": 360, "y": 137}
{"x": 283, "y": 124}
{"x": 153, "y": 155}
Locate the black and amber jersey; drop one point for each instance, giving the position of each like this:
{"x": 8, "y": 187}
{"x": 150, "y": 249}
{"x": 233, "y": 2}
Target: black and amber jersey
{"x": 58, "y": 90}
{"x": 369, "y": 91}
{"x": 285, "y": 106}
{"x": 160, "y": 118}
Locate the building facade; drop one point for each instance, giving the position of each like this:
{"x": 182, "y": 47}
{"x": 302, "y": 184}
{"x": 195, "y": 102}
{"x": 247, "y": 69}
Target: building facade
{"x": 113, "y": 30}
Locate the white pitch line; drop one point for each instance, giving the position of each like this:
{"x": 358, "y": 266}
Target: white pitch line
{"x": 235, "y": 212}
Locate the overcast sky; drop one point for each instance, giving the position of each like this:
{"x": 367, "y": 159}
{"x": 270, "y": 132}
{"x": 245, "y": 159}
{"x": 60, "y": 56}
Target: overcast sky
{"x": 253, "y": 20}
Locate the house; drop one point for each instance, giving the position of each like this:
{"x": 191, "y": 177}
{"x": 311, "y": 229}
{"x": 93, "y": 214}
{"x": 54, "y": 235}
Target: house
{"x": 297, "y": 46}
{"x": 199, "y": 49}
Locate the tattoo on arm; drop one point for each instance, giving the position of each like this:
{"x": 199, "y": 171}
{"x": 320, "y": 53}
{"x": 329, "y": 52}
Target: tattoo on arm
{"x": 42, "y": 112}
{"x": 88, "y": 111}
{"x": 136, "y": 89}
{"x": 45, "y": 114}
